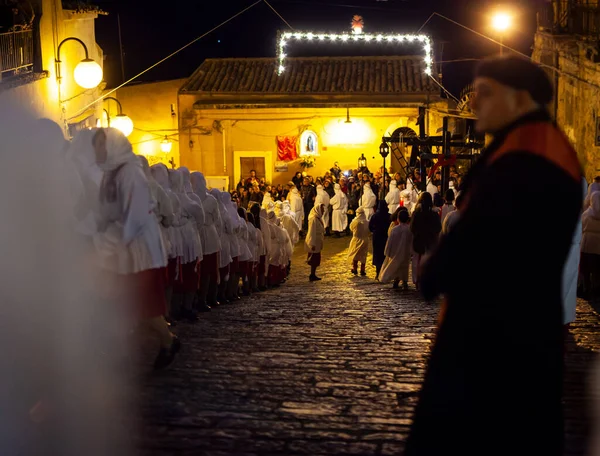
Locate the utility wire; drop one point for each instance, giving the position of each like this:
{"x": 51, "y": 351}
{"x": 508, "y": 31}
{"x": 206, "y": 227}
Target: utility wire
{"x": 167, "y": 57}
{"x": 444, "y": 89}
{"x": 280, "y": 16}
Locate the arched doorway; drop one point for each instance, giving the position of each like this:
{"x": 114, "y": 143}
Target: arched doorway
{"x": 401, "y": 152}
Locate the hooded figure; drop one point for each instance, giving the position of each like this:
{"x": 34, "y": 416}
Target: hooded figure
{"x": 163, "y": 209}
{"x": 211, "y": 242}
{"x": 173, "y": 232}
{"x": 571, "y": 272}
{"x": 315, "y": 238}
{"x": 297, "y": 206}
{"x": 590, "y": 244}
{"x": 225, "y": 258}
{"x": 279, "y": 209}
{"x": 431, "y": 187}
{"x": 409, "y": 196}
{"x": 129, "y": 239}
{"x": 339, "y": 217}
{"x": 379, "y": 226}
{"x": 267, "y": 200}
{"x": 323, "y": 198}
{"x": 368, "y": 201}
{"x": 397, "y": 253}
{"x": 232, "y": 290}
{"x": 593, "y": 187}
{"x": 195, "y": 199}
{"x": 288, "y": 222}
{"x": 277, "y": 248}
{"x": 393, "y": 197}
{"x": 359, "y": 245}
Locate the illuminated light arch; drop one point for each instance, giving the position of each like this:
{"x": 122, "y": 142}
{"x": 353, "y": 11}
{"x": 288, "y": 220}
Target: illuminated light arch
{"x": 283, "y": 39}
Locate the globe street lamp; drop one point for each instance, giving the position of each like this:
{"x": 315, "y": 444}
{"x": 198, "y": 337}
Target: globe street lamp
{"x": 88, "y": 73}
{"x": 121, "y": 121}
{"x": 166, "y": 145}
{"x": 501, "y": 22}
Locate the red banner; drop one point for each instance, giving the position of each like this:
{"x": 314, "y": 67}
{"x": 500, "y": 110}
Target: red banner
{"x": 287, "y": 148}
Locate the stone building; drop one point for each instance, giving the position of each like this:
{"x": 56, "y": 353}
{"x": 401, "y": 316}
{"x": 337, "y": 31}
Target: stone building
{"x": 238, "y": 114}
{"x": 28, "y": 71}
{"x": 567, "y": 43}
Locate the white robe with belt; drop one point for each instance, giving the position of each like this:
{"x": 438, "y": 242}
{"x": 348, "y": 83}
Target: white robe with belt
{"x": 339, "y": 203}
{"x": 398, "y": 250}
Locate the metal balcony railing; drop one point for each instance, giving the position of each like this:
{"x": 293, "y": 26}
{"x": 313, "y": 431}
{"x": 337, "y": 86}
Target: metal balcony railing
{"x": 16, "y": 53}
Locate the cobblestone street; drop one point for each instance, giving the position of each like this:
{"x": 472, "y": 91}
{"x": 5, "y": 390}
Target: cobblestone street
{"x": 326, "y": 368}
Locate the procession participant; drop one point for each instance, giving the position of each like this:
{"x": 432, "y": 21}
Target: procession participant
{"x": 359, "y": 245}
{"x": 379, "y": 226}
{"x": 163, "y": 210}
{"x": 393, "y": 197}
{"x": 288, "y": 223}
{"x": 192, "y": 218}
{"x": 255, "y": 241}
{"x": 277, "y": 248}
{"x": 452, "y": 218}
{"x": 175, "y": 236}
{"x": 278, "y": 209}
{"x": 296, "y": 205}
{"x": 267, "y": 200}
{"x": 246, "y": 255}
{"x": 263, "y": 226}
{"x": 368, "y": 201}
{"x": 590, "y": 247}
{"x": 471, "y": 392}
{"x": 425, "y": 226}
{"x": 448, "y": 207}
{"x": 314, "y": 240}
{"x": 339, "y": 218}
{"x": 323, "y": 198}
{"x": 224, "y": 231}
{"x": 128, "y": 239}
{"x": 398, "y": 250}
{"x": 232, "y": 291}
{"x": 211, "y": 243}
{"x": 593, "y": 187}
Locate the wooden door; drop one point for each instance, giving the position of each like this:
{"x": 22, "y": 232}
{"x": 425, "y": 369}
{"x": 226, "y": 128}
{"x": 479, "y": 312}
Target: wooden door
{"x": 248, "y": 164}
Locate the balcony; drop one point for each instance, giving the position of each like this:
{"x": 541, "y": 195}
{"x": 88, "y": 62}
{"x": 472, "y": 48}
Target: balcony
{"x": 570, "y": 19}
{"x": 16, "y": 53}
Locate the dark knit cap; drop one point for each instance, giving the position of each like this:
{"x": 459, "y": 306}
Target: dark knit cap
{"x": 518, "y": 73}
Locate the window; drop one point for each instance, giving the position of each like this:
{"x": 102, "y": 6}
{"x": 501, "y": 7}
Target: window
{"x": 309, "y": 143}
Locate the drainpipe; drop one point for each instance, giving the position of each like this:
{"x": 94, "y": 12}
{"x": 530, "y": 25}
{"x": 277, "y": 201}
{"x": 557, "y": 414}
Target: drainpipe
{"x": 224, "y": 148}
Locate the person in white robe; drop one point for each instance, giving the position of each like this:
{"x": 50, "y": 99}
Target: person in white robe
{"x": 246, "y": 256}
{"x": 128, "y": 241}
{"x": 323, "y": 198}
{"x": 276, "y": 258}
{"x": 339, "y": 216}
{"x": 211, "y": 241}
{"x": 315, "y": 238}
{"x": 398, "y": 250}
{"x": 224, "y": 231}
{"x": 409, "y": 196}
{"x": 288, "y": 223}
{"x": 393, "y": 197}
{"x": 448, "y": 206}
{"x": 267, "y": 200}
{"x": 232, "y": 292}
{"x": 367, "y": 201}
{"x": 431, "y": 187}
{"x": 255, "y": 244}
{"x": 571, "y": 271}
{"x": 452, "y": 186}
{"x": 359, "y": 245}
{"x": 297, "y": 206}
{"x": 192, "y": 217}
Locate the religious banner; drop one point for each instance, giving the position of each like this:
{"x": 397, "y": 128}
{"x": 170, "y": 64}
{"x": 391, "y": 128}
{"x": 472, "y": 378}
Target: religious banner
{"x": 287, "y": 148}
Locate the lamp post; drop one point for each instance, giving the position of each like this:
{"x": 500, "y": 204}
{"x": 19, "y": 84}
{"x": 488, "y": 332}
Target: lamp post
{"x": 88, "y": 73}
{"x": 362, "y": 162}
{"x": 121, "y": 121}
{"x": 384, "y": 151}
{"x": 501, "y": 22}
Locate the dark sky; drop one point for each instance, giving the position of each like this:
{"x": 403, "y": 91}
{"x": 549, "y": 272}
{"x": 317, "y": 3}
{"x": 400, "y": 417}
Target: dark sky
{"x": 151, "y": 32}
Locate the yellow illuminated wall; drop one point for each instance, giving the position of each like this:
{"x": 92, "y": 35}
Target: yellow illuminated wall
{"x": 238, "y": 131}
{"x": 149, "y": 106}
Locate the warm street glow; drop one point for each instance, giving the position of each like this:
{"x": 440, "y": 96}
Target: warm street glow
{"x": 88, "y": 74}
{"x": 501, "y": 22}
{"x": 166, "y": 145}
{"x": 357, "y": 132}
{"x": 285, "y": 38}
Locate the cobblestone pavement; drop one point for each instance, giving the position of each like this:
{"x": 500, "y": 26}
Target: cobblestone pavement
{"x": 327, "y": 368}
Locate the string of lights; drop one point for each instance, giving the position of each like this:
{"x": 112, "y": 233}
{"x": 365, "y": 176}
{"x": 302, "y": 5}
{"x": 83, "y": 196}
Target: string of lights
{"x": 345, "y": 37}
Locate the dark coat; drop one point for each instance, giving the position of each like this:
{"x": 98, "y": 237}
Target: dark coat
{"x": 379, "y": 226}
{"x": 425, "y": 227}
{"x": 494, "y": 380}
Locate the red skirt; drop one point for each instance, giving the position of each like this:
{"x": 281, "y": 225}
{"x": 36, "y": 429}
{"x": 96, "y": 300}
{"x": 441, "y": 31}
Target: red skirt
{"x": 314, "y": 259}
{"x": 189, "y": 278}
{"x": 143, "y": 292}
{"x": 262, "y": 265}
{"x": 243, "y": 268}
{"x": 234, "y": 265}
{"x": 210, "y": 265}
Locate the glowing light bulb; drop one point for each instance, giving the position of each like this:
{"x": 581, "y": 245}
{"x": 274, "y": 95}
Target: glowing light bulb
{"x": 309, "y": 36}
{"x": 379, "y": 37}
{"x": 321, "y": 37}
{"x": 298, "y": 36}
{"x": 281, "y": 69}
{"x": 123, "y": 123}
{"x": 88, "y": 74}
{"x": 345, "y": 37}
{"x": 390, "y": 39}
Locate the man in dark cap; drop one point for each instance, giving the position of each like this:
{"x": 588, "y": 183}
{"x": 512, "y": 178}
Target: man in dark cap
{"x": 494, "y": 381}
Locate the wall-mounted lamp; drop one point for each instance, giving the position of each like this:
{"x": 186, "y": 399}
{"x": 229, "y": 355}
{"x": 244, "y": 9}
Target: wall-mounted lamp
{"x": 166, "y": 145}
{"x": 88, "y": 73}
{"x": 121, "y": 121}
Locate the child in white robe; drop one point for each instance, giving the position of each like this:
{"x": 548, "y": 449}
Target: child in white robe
{"x": 359, "y": 245}
{"x": 398, "y": 252}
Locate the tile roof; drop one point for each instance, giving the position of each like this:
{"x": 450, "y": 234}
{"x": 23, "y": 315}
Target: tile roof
{"x": 310, "y": 76}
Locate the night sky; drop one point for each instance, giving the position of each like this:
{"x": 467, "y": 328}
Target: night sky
{"x": 151, "y": 32}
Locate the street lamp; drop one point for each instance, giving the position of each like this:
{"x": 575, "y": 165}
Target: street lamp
{"x": 166, "y": 145}
{"x": 121, "y": 121}
{"x": 501, "y": 22}
{"x": 362, "y": 162}
{"x": 88, "y": 73}
{"x": 384, "y": 151}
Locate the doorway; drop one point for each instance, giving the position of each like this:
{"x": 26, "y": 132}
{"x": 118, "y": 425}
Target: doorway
{"x": 248, "y": 164}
